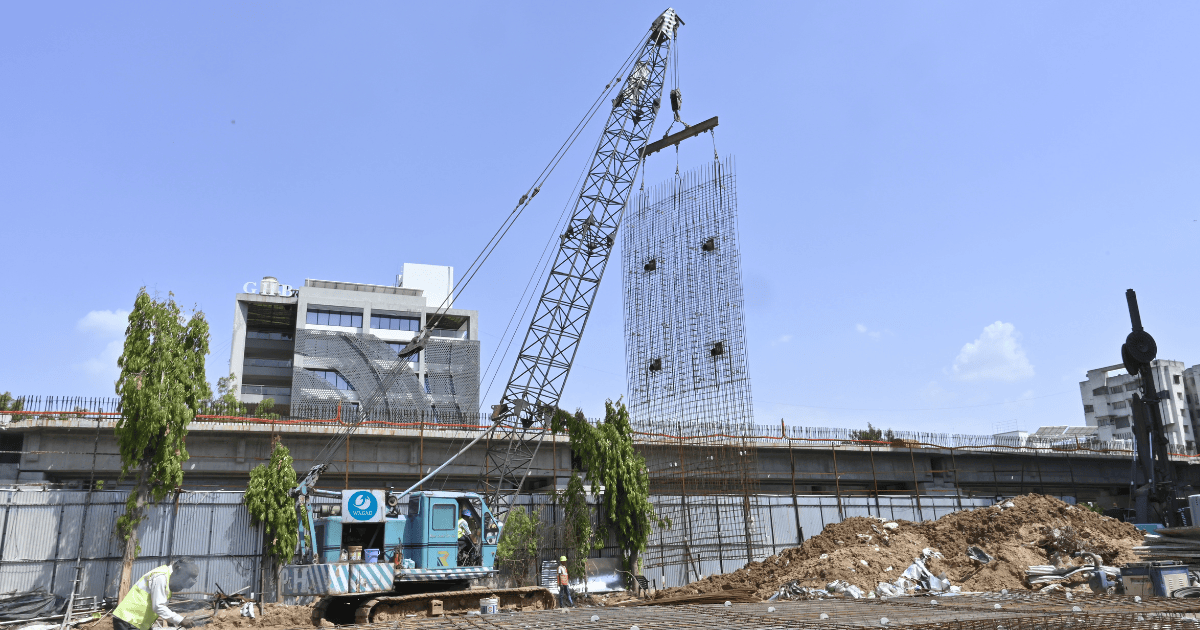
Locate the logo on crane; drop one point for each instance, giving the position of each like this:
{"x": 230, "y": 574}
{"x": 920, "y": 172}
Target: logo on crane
{"x": 362, "y": 506}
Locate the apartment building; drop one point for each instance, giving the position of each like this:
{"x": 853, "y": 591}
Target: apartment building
{"x": 1106, "y": 398}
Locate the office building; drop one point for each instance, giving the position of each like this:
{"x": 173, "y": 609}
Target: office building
{"x": 327, "y": 343}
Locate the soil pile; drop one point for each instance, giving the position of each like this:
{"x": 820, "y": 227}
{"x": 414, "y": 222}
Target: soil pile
{"x": 1031, "y": 529}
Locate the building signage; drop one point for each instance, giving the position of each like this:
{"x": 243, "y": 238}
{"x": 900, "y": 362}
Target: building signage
{"x": 363, "y": 506}
{"x": 269, "y": 288}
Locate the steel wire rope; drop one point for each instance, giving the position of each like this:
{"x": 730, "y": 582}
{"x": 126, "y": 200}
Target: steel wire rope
{"x": 541, "y": 179}
{"x": 336, "y": 442}
{"x": 544, "y": 259}
{"x": 526, "y": 299}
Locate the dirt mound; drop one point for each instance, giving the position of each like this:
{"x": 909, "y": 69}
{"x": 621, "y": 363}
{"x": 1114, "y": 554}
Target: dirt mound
{"x": 1036, "y": 529}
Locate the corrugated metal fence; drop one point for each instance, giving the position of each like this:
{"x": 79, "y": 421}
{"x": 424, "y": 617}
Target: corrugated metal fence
{"x": 40, "y": 535}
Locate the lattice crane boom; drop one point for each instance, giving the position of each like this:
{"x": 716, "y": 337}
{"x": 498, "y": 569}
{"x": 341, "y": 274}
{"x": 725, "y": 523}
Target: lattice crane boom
{"x": 544, "y": 362}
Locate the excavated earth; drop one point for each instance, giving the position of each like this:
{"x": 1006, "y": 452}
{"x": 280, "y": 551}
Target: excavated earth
{"x": 1037, "y": 529}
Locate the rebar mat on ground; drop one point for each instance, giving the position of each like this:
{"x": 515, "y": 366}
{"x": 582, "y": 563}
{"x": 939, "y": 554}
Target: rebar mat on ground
{"x": 1017, "y": 612}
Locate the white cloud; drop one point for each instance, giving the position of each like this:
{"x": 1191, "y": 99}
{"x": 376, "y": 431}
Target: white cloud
{"x": 996, "y": 355}
{"x": 874, "y": 334}
{"x": 104, "y": 324}
{"x": 782, "y": 339}
{"x": 108, "y": 328}
{"x": 935, "y": 393}
{"x": 104, "y": 366}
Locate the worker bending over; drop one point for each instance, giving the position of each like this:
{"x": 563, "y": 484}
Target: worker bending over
{"x": 146, "y": 600}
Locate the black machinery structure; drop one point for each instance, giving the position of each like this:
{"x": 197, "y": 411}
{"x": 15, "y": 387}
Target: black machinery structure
{"x": 1156, "y": 488}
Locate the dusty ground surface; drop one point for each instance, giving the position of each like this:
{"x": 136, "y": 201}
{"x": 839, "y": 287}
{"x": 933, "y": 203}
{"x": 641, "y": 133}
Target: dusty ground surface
{"x": 274, "y": 616}
{"x": 863, "y": 552}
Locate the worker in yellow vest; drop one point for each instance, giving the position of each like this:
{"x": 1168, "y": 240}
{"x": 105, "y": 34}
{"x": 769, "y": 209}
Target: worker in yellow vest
{"x": 147, "y": 598}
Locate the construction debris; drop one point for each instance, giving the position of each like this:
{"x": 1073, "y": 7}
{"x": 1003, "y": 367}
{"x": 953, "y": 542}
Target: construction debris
{"x": 866, "y": 552}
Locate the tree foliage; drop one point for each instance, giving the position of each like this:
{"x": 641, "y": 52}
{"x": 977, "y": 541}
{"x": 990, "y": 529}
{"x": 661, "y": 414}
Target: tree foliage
{"x": 580, "y": 537}
{"x": 611, "y": 463}
{"x": 161, "y": 385}
{"x": 266, "y": 409}
{"x": 227, "y": 390}
{"x": 517, "y": 549}
{"x": 268, "y": 502}
{"x": 873, "y": 434}
{"x": 8, "y": 403}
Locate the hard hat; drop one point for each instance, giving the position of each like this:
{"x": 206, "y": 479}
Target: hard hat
{"x": 562, "y": 559}
{"x": 466, "y": 511}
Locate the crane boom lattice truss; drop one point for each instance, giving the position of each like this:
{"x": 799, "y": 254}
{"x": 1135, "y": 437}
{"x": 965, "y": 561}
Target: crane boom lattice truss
{"x": 685, "y": 349}
{"x": 545, "y": 358}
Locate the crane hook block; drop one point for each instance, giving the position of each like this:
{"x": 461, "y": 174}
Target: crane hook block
{"x": 676, "y": 100}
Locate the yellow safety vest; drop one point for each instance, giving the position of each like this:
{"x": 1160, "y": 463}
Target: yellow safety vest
{"x": 136, "y": 608}
{"x": 462, "y": 527}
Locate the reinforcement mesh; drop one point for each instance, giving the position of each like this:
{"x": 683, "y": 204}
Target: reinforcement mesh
{"x": 689, "y": 387}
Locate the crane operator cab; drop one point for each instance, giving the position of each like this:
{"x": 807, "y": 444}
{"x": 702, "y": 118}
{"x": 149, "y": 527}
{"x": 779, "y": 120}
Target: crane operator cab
{"x": 425, "y": 530}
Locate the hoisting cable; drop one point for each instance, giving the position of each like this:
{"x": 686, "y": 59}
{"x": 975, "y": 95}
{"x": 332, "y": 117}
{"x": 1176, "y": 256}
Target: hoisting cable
{"x": 525, "y": 199}
{"x": 510, "y": 220}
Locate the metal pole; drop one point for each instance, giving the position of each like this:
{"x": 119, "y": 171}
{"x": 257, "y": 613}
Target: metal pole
{"x": 916, "y": 485}
{"x": 837, "y": 484}
{"x": 874, "y": 480}
{"x": 957, "y": 488}
{"x": 795, "y": 502}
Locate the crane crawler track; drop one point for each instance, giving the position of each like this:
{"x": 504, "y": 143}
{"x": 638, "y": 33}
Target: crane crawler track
{"x": 392, "y": 607}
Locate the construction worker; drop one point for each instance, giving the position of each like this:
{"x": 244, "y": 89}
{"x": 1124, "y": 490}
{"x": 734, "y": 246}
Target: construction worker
{"x": 146, "y": 600}
{"x": 464, "y": 531}
{"x": 564, "y": 579}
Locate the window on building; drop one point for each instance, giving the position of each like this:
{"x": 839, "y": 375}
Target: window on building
{"x": 397, "y": 347}
{"x": 273, "y": 336}
{"x": 1116, "y": 390}
{"x": 1088, "y": 409}
{"x": 1180, "y": 395}
{"x": 329, "y": 317}
{"x": 395, "y": 322}
{"x": 1176, "y": 379}
{"x": 333, "y": 378}
{"x": 1120, "y": 404}
{"x": 266, "y": 390}
{"x": 275, "y": 363}
{"x": 1100, "y": 391}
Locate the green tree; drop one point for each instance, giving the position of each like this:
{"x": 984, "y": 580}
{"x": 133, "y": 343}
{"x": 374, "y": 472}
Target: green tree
{"x": 8, "y": 403}
{"x": 611, "y": 462}
{"x": 579, "y": 535}
{"x": 265, "y": 410}
{"x": 227, "y": 391}
{"x": 517, "y": 549}
{"x": 869, "y": 434}
{"x": 161, "y": 385}
{"x": 268, "y": 502}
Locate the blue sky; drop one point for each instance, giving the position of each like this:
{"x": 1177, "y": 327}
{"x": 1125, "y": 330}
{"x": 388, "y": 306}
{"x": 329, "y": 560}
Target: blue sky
{"x": 941, "y": 204}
